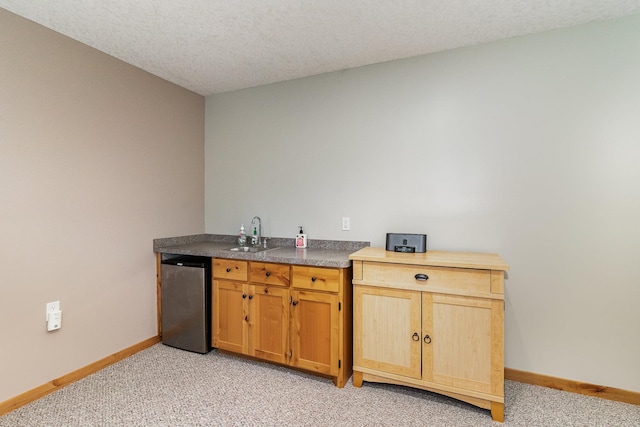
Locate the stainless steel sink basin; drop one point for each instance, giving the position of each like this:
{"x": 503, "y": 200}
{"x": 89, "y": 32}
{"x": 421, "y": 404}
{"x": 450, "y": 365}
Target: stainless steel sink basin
{"x": 249, "y": 249}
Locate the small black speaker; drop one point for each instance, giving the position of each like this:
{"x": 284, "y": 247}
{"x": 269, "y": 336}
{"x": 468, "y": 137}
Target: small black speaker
{"x": 409, "y": 243}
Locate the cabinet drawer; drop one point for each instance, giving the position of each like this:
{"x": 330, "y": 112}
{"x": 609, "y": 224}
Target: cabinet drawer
{"x": 431, "y": 279}
{"x": 316, "y": 278}
{"x": 229, "y": 269}
{"x": 270, "y": 274}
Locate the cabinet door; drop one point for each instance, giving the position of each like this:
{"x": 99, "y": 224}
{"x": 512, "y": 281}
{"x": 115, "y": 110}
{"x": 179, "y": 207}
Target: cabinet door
{"x": 314, "y": 331}
{"x": 268, "y": 322}
{"x": 387, "y": 330}
{"x": 229, "y": 313}
{"x": 463, "y": 342}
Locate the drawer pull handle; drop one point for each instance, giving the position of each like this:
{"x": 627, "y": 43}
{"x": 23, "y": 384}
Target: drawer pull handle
{"x": 313, "y": 279}
{"x": 415, "y": 336}
{"x": 228, "y": 270}
{"x": 422, "y": 277}
{"x": 427, "y": 339}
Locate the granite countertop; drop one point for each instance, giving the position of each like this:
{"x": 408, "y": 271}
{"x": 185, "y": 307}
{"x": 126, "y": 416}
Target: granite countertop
{"x": 321, "y": 253}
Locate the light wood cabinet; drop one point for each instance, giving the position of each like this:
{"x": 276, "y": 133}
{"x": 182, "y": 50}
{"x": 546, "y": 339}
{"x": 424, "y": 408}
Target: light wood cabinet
{"x": 385, "y": 321}
{"x": 431, "y": 322}
{"x": 268, "y": 322}
{"x": 229, "y": 269}
{"x": 251, "y": 318}
{"x": 230, "y": 331}
{"x": 298, "y": 316}
{"x": 314, "y": 332}
{"x": 321, "y": 321}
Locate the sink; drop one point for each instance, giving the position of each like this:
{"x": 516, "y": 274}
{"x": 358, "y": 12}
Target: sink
{"x": 249, "y": 249}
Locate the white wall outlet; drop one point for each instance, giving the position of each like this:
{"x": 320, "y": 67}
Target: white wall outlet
{"x": 346, "y": 223}
{"x": 51, "y": 308}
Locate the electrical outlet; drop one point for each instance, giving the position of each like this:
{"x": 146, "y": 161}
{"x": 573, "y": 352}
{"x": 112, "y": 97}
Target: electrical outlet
{"x": 52, "y": 307}
{"x": 346, "y": 223}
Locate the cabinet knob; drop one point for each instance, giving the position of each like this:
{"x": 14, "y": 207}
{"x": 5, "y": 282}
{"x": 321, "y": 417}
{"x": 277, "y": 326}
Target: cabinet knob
{"x": 268, "y": 274}
{"x": 244, "y": 295}
{"x": 427, "y": 339}
{"x": 250, "y": 296}
{"x": 415, "y": 336}
{"x": 313, "y": 279}
{"x": 421, "y": 277}
{"x": 228, "y": 270}
{"x": 294, "y": 303}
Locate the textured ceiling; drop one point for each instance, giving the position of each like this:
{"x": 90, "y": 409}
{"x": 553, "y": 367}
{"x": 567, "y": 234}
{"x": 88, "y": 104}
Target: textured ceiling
{"x": 213, "y": 46}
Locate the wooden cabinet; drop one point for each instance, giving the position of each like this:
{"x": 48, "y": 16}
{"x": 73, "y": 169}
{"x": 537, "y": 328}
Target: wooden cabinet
{"x": 433, "y": 321}
{"x": 268, "y": 299}
{"x": 229, "y": 269}
{"x": 314, "y": 332}
{"x": 230, "y": 331}
{"x": 384, "y": 323}
{"x": 251, "y": 318}
{"x": 321, "y": 336}
{"x": 292, "y": 315}
{"x": 268, "y": 322}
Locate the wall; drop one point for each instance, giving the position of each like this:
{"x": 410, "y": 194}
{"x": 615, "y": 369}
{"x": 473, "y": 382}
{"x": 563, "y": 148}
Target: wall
{"x": 527, "y": 147}
{"x": 97, "y": 158}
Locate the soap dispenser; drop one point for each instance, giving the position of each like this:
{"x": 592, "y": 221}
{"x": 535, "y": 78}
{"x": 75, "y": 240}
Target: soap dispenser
{"x": 242, "y": 237}
{"x": 301, "y": 239}
{"x": 254, "y": 237}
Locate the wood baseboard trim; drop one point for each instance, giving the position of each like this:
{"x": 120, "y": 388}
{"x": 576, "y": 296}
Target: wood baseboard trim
{"x": 609, "y": 393}
{"x": 56, "y": 384}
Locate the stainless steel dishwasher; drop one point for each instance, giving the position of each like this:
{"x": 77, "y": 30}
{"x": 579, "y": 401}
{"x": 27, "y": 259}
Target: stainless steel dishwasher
{"x": 186, "y": 302}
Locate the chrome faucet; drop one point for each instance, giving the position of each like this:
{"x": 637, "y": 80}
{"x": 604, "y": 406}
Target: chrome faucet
{"x": 257, "y": 240}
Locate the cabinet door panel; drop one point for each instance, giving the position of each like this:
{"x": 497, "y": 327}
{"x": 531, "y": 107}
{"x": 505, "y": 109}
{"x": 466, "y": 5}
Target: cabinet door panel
{"x": 460, "y": 351}
{"x": 269, "y": 322}
{"x": 314, "y": 329}
{"x": 229, "y": 325}
{"x": 387, "y": 330}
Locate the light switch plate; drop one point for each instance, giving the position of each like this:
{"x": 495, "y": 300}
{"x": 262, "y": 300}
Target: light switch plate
{"x": 346, "y": 223}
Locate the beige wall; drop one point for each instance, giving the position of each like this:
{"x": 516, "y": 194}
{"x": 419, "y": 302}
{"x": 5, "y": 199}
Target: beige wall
{"x": 527, "y": 147}
{"x": 97, "y": 158}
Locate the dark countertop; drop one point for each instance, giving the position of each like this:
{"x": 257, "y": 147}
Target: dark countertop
{"x": 320, "y": 253}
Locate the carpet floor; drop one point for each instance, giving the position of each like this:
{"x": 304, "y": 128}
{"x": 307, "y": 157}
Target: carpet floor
{"x": 163, "y": 386}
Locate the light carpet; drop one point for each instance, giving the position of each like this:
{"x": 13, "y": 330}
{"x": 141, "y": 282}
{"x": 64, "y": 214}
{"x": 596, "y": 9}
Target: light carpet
{"x": 163, "y": 386}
